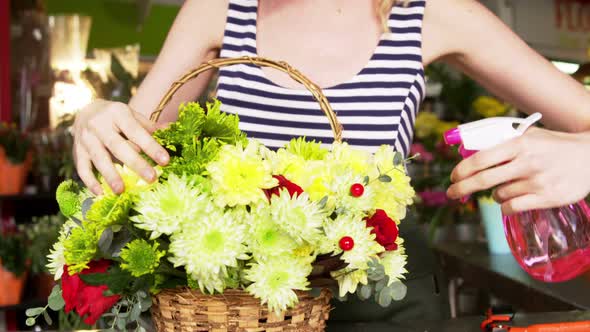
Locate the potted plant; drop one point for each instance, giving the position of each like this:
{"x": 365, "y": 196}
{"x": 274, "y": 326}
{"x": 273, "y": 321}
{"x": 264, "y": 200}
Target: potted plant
{"x": 13, "y": 267}
{"x": 15, "y": 159}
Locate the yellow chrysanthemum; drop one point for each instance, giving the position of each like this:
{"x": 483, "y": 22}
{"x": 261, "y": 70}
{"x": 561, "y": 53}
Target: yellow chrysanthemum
{"x": 425, "y": 124}
{"x": 349, "y": 279}
{"x": 238, "y": 175}
{"x": 345, "y": 156}
{"x": 132, "y": 181}
{"x": 489, "y": 107}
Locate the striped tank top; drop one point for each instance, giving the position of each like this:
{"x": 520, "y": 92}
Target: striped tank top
{"x": 377, "y": 106}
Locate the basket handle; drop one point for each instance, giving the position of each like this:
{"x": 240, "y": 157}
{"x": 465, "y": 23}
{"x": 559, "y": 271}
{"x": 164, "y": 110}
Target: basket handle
{"x": 263, "y": 62}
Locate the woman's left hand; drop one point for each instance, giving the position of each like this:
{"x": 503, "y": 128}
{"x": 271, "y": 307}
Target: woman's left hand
{"x": 540, "y": 169}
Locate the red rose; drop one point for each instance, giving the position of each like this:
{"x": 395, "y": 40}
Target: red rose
{"x": 86, "y": 299}
{"x": 283, "y": 183}
{"x": 384, "y": 228}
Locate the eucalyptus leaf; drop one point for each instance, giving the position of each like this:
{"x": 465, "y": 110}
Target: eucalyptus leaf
{"x": 86, "y": 206}
{"x": 121, "y": 323}
{"x": 55, "y": 300}
{"x": 34, "y": 311}
{"x": 30, "y": 321}
{"x": 323, "y": 202}
{"x": 398, "y": 159}
{"x": 140, "y": 329}
{"x": 364, "y": 292}
{"x": 141, "y": 294}
{"x": 48, "y": 319}
{"x": 77, "y": 221}
{"x": 105, "y": 241}
{"x": 120, "y": 240}
{"x": 398, "y": 290}
{"x": 366, "y": 180}
{"x": 385, "y": 178}
{"x": 134, "y": 313}
{"x": 384, "y": 299}
{"x": 145, "y": 304}
{"x": 381, "y": 284}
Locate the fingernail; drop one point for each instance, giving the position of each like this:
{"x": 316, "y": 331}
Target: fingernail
{"x": 149, "y": 174}
{"x": 117, "y": 187}
{"x": 97, "y": 190}
{"x": 162, "y": 157}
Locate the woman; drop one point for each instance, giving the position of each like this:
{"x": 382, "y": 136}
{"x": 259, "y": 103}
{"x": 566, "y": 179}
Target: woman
{"x": 375, "y": 90}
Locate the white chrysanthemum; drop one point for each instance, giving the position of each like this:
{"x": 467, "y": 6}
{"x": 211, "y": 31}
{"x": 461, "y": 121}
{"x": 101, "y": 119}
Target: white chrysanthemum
{"x": 164, "y": 208}
{"x": 343, "y": 199}
{"x": 313, "y": 177}
{"x": 209, "y": 284}
{"x": 394, "y": 264}
{"x": 365, "y": 247}
{"x": 238, "y": 175}
{"x": 210, "y": 244}
{"x": 348, "y": 280}
{"x": 298, "y": 216}
{"x": 265, "y": 237}
{"x": 56, "y": 259}
{"x": 275, "y": 280}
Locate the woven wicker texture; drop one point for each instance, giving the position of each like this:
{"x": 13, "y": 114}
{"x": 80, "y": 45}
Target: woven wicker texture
{"x": 183, "y": 310}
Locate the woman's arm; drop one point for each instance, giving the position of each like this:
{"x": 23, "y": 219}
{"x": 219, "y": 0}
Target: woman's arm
{"x": 542, "y": 168}
{"x": 195, "y": 37}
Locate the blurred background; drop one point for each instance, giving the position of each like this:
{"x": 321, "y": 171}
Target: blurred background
{"x": 56, "y": 56}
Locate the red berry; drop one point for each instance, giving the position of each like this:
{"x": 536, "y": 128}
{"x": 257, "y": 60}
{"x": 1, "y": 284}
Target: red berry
{"x": 346, "y": 243}
{"x": 357, "y": 190}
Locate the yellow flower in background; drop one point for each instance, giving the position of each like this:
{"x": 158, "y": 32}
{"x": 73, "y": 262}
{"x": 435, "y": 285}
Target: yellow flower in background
{"x": 489, "y": 107}
{"x": 426, "y": 122}
{"x": 443, "y": 126}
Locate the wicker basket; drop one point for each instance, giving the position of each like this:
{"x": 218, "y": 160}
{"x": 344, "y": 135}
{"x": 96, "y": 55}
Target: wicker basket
{"x": 184, "y": 309}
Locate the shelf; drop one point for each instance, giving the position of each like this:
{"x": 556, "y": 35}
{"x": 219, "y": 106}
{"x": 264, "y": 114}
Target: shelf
{"x": 28, "y": 197}
{"x": 25, "y": 305}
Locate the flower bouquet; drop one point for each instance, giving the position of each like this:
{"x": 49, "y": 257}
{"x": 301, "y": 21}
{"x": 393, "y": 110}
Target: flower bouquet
{"x": 233, "y": 235}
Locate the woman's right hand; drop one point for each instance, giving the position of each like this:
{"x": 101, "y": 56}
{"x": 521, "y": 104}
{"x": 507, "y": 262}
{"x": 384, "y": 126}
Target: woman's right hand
{"x": 104, "y": 130}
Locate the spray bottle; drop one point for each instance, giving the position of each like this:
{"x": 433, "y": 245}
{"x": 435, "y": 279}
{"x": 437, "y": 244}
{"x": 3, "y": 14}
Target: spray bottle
{"x": 552, "y": 245}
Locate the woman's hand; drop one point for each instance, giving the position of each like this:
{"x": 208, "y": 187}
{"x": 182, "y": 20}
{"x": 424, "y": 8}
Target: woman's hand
{"x": 106, "y": 129}
{"x": 540, "y": 169}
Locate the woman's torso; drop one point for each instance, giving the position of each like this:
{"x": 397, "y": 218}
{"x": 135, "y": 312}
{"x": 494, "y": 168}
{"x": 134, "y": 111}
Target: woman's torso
{"x": 376, "y": 106}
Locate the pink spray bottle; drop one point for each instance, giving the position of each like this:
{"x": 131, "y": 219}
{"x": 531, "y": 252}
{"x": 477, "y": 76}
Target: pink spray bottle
{"x": 552, "y": 245}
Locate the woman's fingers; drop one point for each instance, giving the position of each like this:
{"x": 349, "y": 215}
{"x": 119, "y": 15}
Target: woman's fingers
{"x": 522, "y": 203}
{"x": 512, "y": 190}
{"x": 485, "y": 159}
{"x": 124, "y": 152}
{"x": 486, "y": 179}
{"x": 84, "y": 168}
{"x": 135, "y": 132}
{"x": 102, "y": 161}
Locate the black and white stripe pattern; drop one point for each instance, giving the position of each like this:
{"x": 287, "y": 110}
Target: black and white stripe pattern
{"x": 377, "y": 106}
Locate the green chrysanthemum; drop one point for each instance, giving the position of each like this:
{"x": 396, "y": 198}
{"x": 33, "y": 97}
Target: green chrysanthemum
{"x": 111, "y": 209}
{"x": 275, "y": 280}
{"x": 81, "y": 246}
{"x": 209, "y": 245}
{"x": 238, "y": 175}
{"x": 308, "y": 150}
{"x": 365, "y": 247}
{"x": 67, "y": 198}
{"x": 394, "y": 264}
{"x": 163, "y": 209}
{"x": 140, "y": 258}
{"x": 298, "y": 216}
{"x": 266, "y": 238}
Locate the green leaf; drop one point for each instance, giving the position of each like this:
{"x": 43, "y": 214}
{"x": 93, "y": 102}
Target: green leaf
{"x": 105, "y": 241}
{"x": 398, "y": 159}
{"x": 34, "y": 311}
{"x": 141, "y": 294}
{"x": 322, "y": 203}
{"x": 120, "y": 240}
{"x": 381, "y": 284}
{"x": 86, "y": 206}
{"x": 365, "y": 292}
{"x": 55, "y": 300}
{"x": 77, "y": 221}
{"x": 48, "y": 319}
{"x": 30, "y": 321}
{"x": 366, "y": 180}
{"x": 385, "y": 178}
{"x": 145, "y": 304}
{"x": 115, "y": 279}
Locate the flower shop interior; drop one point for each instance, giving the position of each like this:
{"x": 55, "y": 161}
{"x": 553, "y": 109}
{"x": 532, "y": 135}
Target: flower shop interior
{"x": 57, "y": 56}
